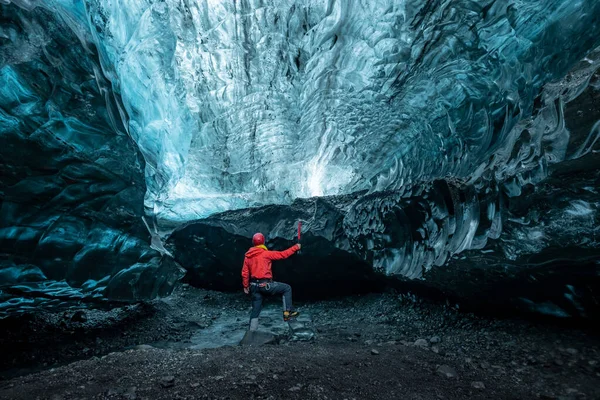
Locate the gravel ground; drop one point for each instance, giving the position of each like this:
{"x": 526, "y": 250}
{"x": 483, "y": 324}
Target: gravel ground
{"x": 383, "y": 346}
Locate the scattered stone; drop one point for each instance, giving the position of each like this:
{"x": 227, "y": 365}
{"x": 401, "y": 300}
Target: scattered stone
{"x": 257, "y": 338}
{"x": 470, "y": 363}
{"x": 467, "y": 345}
{"x": 447, "y": 371}
{"x": 79, "y": 316}
{"x": 295, "y": 388}
{"x": 301, "y": 333}
{"x": 167, "y": 381}
{"x": 130, "y": 393}
{"x": 478, "y": 385}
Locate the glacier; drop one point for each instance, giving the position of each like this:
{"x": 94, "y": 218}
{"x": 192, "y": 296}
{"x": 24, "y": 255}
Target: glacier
{"x": 435, "y": 117}
{"x": 236, "y": 104}
{"x": 72, "y": 179}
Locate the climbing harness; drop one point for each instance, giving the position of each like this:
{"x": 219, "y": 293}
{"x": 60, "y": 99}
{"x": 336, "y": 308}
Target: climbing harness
{"x": 261, "y": 283}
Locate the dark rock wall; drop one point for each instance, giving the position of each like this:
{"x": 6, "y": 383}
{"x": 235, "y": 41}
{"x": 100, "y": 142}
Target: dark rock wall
{"x": 213, "y": 249}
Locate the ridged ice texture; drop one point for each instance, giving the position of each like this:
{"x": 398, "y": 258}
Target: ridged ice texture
{"x": 71, "y": 179}
{"x": 239, "y": 103}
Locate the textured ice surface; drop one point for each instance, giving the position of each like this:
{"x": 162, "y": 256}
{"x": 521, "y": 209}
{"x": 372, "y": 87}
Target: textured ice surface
{"x": 71, "y": 179}
{"x": 240, "y": 103}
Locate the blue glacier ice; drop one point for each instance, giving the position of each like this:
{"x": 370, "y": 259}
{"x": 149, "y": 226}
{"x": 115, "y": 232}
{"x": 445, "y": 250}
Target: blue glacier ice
{"x": 185, "y": 109}
{"x": 236, "y": 104}
{"x": 72, "y": 182}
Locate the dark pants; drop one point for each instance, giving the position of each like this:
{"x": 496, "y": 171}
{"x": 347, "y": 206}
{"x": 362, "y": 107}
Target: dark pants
{"x": 272, "y": 288}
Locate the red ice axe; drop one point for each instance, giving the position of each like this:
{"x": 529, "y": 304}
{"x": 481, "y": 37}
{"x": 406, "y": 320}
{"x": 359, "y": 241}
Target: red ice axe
{"x": 299, "y": 233}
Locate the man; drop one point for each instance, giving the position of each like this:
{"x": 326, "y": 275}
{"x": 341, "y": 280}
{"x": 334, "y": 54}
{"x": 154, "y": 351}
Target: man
{"x": 257, "y": 278}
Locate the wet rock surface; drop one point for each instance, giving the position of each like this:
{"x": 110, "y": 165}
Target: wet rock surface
{"x": 257, "y": 338}
{"x": 364, "y": 348}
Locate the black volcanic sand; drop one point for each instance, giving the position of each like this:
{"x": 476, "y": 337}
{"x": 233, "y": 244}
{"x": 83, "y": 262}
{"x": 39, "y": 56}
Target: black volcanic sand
{"x": 365, "y": 349}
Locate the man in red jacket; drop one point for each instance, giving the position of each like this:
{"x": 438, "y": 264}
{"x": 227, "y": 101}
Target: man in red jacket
{"x": 257, "y": 278}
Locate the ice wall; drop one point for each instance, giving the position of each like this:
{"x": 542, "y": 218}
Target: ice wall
{"x": 71, "y": 179}
{"x": 193, "y": 107}
{"x": 298, "y": 99}
{"x": 240, "y": 103}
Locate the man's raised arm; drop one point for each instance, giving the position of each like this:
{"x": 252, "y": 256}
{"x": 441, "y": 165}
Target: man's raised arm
{"x": 282, "y": 255}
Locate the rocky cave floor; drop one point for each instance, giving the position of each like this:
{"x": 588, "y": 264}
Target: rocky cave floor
{"x": 379, "y": 346}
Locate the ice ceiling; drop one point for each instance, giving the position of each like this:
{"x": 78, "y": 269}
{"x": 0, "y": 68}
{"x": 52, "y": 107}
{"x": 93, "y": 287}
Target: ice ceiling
{"x": 240, "y": 103}
{"x": 441, "y": 109}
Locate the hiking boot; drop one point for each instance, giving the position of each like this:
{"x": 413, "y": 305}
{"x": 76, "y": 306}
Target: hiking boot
{"x": 287, "y": 315}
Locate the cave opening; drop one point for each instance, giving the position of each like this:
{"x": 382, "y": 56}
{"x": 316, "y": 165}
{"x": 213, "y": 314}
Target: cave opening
{"x": 440, "y": 159}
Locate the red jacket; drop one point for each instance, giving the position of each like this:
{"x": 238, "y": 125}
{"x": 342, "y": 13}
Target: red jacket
{"x": 257, "y": 264}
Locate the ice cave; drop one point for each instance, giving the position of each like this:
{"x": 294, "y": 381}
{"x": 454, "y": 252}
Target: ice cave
{"x": 437, "y": 156}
